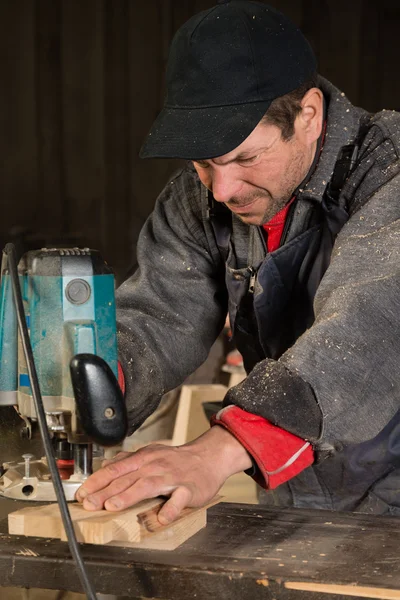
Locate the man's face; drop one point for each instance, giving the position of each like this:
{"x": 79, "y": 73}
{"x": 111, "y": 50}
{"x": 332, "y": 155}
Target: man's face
{"x": 258, "y": 178}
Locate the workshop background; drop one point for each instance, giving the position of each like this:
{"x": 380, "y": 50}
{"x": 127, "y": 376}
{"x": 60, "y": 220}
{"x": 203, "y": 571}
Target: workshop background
{"x": 82, "y": 80}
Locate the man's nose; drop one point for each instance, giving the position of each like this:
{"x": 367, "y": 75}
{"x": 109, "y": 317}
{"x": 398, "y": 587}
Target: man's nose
{"x": 224, "y": 184}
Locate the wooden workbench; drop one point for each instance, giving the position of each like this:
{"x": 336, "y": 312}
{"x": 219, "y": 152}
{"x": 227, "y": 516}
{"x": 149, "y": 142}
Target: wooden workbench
{"x": 245, "y": 553}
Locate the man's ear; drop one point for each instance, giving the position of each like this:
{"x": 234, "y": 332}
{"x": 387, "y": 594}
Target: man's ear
{"x": 311, "y": 116}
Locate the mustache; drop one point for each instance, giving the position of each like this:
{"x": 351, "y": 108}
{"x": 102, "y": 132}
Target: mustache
{"x": 240, "y": 202}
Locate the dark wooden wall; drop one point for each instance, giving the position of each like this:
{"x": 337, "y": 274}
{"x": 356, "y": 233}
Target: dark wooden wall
{"x": 82, "y": 80}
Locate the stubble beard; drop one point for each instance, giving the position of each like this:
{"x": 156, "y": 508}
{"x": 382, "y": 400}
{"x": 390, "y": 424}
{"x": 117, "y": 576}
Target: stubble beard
{"x": 298, "y": 170}
{"x": 274, "y": 205}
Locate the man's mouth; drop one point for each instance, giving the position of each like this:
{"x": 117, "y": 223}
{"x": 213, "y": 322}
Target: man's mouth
{"x": 243, "y": 208}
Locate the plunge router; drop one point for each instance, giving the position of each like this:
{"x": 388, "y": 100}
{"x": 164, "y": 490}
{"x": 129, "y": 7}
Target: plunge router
{"x": 68, "y": 297}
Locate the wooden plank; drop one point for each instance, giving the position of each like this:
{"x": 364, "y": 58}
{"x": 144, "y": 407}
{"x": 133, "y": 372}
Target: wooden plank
{"x": 171, "y": 536}
{"x": 23, "y": 522}
{"x": 244, "y": 552}
{"x": 136, "y": 527}
{"x": 191, "y": 420}
{"x": 43, "y": 521}
{"x": 102, "y": 527}
{"x": 350, "y": 591}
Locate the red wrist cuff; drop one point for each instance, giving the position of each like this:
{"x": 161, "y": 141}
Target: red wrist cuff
{"x": 279, "y": 454}
{"x": 121, "y": 378}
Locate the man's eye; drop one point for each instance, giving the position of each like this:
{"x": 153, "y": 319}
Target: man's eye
{"x": 248, "y": 161}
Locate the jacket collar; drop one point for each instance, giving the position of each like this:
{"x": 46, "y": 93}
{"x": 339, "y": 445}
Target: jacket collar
{"x": 343, "y": 123}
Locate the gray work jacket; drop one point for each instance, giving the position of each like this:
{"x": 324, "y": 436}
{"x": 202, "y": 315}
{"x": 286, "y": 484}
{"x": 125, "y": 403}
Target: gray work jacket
{"x": 172, "y": 309}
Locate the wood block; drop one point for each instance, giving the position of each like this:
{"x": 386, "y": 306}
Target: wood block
{"x": 137, "y": 526}
{"x": 26, "y": 522}
{"x": 191, "y": 420}
{"x": 171, "y": 536}
{"x": 236, "y": 378}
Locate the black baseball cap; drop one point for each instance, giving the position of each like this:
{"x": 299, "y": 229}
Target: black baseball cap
{"x": 225, "y": 67}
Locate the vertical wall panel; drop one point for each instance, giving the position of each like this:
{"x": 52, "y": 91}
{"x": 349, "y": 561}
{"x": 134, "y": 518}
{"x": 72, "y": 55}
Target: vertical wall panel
{"x": 145, "y": 58}
{"x": 198, "y": 5}
{"x": 52, "y": 209}
{"x": 371, "y": 71}
{"x": 18, "y": 141}
{"x": 294, "y": 10}
{"x": 334, "y": 29}
{"x": 389, "y": 57}
{"x": 83, "y": 80}
{"x": 83, "y": 115}
{"x": 148, "y": 41}
{"x": 117, "y": 207}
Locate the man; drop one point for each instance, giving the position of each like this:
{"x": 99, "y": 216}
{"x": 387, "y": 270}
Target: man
{"x": 287, "y": 216}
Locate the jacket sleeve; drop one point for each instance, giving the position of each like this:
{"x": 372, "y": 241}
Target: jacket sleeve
{"x": 171, "y": 310}
{"x": 349, "y": 358}
{"x": 277, "y": 454}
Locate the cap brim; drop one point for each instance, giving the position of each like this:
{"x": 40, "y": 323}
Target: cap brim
{"x": 201, "y": 133}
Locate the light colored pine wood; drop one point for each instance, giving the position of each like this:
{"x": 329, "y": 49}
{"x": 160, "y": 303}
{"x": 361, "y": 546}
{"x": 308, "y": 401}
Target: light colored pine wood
{"x": 236, "y": 377}
{"x": 191, "y": 420}
{"x": 344, "y": 590}
{"x": 135, "y": 527}
{"x": 26, "y": 522}
{"x": 169, "y": 538}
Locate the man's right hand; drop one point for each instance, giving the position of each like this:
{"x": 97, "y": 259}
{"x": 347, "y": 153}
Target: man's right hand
{"x": 190, "y": 475}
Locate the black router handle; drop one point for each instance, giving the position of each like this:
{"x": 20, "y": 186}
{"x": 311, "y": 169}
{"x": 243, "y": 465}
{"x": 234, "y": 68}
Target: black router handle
{"x": 99, "y": 399}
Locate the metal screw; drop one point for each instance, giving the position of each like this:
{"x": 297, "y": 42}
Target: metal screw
{"x": 27, "y": 458}
{"x": 109, "y": 413}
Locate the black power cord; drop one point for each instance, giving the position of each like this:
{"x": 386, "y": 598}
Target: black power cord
{"x": 87, "y": 585}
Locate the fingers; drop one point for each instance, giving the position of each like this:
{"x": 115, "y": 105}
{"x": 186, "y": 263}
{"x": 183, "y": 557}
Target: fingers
{"x": 171, "y": 510}
{"x": 143, "y": 489}
{"x": 152, "y": 471}
{"x": 151, "y": 487}
{"x": 124, "y": 463}
{"x": 132, "y": 488}
{"x": 96, "y": 500}
{"x": 103, "y": 477}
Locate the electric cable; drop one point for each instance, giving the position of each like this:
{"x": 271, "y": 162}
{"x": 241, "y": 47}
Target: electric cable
{"x": 87, "y": 585}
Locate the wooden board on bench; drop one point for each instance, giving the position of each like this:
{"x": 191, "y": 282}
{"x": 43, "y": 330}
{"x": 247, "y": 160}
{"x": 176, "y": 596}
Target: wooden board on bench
{"x": 136, "y": 527}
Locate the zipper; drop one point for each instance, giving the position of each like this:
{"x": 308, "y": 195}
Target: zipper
{"x": 252, "y": 270}
{"x": 288, "y": 222}
{"x": 264, "y": 243}
{"x": 252, "y": 280}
